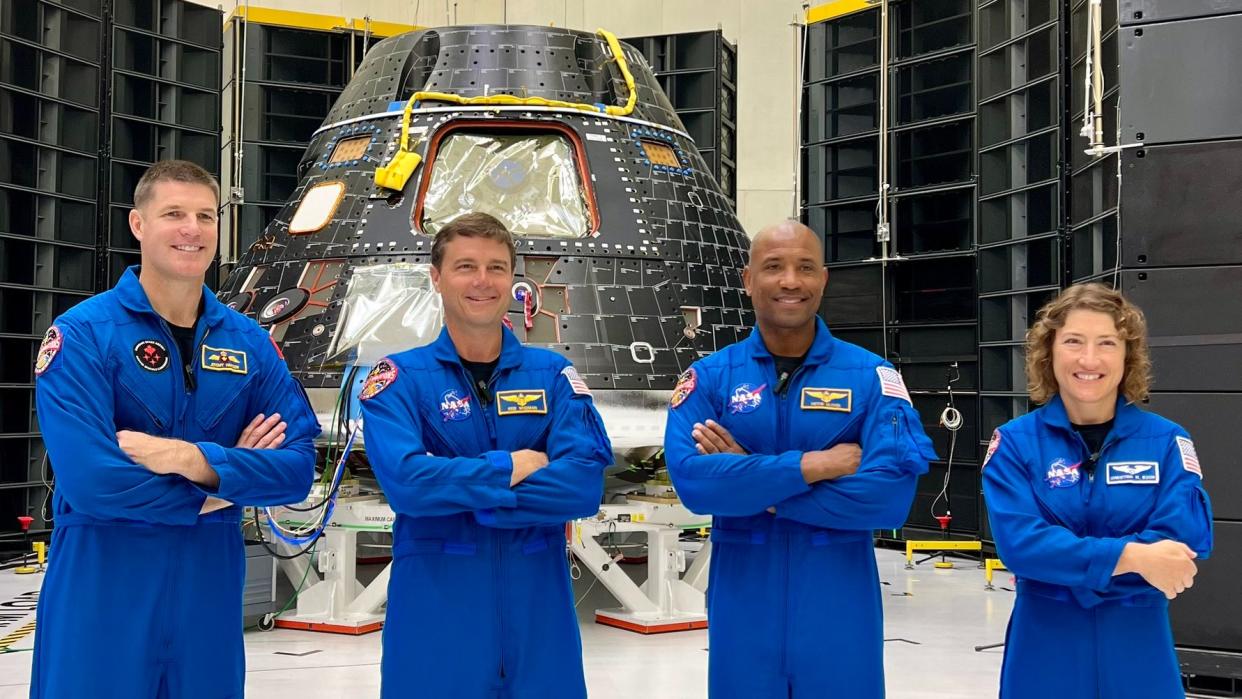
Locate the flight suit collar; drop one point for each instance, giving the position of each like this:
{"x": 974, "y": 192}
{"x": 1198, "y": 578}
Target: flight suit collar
{"x": 510, "y": 349}
{"x": 131, "y": 294}
{"x": 1128, "y": 418}
{"x": 819, "y": 353}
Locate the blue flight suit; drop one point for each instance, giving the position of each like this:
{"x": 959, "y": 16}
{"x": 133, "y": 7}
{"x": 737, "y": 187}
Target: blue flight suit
{"x": 793, "y": 600}
{"x": 1060, "y": 520}
{"x": 479, "y": 602}
{"x": 143, "y": 596}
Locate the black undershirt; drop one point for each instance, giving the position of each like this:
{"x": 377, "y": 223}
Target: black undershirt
{"x": 785, "y": 367}
{"x": 1094, "y": 436}
{"x": 481, "y": 375}
{"x": 184, "y": 337}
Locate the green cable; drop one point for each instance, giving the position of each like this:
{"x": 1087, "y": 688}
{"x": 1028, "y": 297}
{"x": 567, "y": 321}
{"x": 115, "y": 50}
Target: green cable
{"x": 293, "y": 598}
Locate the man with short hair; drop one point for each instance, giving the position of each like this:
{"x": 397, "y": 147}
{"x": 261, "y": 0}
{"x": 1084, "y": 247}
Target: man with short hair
{"x": 145, "y": 396}
{"x": 484, "y": 449}
{"x": 799, "y": 445}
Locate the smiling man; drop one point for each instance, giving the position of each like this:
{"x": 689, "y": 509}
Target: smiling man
{"x": 145, "y": 396}
{"x": 799, "y": 445}
{"x": 484, "y": 449}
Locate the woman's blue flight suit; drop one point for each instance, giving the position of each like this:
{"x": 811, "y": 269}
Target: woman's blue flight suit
{"x": 794, "y": 598}
{"x": 143, "y": 596}
{"x": 479, "y": 603}
{"x": 1061, "y": 517}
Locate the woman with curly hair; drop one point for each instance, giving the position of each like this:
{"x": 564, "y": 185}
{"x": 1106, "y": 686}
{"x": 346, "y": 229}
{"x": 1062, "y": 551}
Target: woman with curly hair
{"x": 1098, "y": 508}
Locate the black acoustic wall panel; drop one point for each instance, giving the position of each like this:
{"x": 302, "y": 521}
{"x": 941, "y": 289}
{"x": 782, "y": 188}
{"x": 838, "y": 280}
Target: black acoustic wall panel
{"x": 1144, "y": 11}
{"x": 1180, "y": 261}
{"x": 91, "y": 91}
{"x": 1206, "y": 616}
{"x": 164, "y": 83}
{"x": 1213, "y": 420}
{"x": 1091, "y": 199}
{"x": 698, "y": 73}
{"x": 1181, "y": 204}
{"x": 50, "y": 118}
{"x": 919, "y": 307}
{"x": 1166, "y": 69}
{"x": 1194, "y": 325}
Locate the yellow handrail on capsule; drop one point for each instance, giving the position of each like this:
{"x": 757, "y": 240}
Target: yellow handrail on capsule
{"x": 397, "y": 171}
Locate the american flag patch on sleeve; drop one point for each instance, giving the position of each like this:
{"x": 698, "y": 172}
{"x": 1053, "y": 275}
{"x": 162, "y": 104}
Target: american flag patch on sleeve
{"x": 575, "y": 381}
{"x": 1190, "y": 459}
{"x": 892, "y": 385}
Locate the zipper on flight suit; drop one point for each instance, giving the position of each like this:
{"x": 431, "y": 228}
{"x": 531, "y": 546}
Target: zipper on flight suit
{"x": 781, "y": 435}
{"x": 1093, "y": 459}
{"x": 188, "y": 382}
{"x": 493, "y": 534}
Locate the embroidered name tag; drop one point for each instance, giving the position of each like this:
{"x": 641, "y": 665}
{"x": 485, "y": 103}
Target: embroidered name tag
{"x": 1141, "y": 472}
{"x": 219, "y": 359}
{"x": 839, "y": 400}
{"x": 521, "y": 402}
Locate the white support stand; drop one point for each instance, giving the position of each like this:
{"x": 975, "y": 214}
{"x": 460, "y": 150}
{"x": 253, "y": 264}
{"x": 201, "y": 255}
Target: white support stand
{"x": 338, "y": 603}
{"x": 665, "y": 602}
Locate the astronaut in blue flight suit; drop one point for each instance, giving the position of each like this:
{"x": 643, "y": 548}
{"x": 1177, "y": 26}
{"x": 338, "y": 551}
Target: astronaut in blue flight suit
{"x": 484, "y": 449}
{"x": 766, "y": 435}
{"x": 1098, "y": 508}
{"x": 143, "y": 392}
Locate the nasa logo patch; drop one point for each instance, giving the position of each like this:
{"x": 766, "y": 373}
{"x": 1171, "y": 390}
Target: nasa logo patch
{"x": 453, "y": 406}
{"x": 1062, "y": 474}
{"x": 151, "y": 355}
{"x": 52, "y": 342}
{"x": 685, "y": 386}
{"x": 383, "y": 375}
{"x": 745, "y": 398}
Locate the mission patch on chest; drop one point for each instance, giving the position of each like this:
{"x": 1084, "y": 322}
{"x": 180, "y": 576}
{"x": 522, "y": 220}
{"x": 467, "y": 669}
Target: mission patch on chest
{"x": 839, "y": 400}
{"x": 521, "y": 402}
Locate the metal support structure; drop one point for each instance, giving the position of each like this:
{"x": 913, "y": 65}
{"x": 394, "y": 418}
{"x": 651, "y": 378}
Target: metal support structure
{"x": 666, "y": 601}
{"x": 338, "y": 602}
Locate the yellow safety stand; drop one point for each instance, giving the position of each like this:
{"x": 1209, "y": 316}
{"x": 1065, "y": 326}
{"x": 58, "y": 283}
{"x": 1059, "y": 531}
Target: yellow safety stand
{"x": 939, "y": 547}
{"x": 990, "y": 565}
{"x": 40, "y": 549}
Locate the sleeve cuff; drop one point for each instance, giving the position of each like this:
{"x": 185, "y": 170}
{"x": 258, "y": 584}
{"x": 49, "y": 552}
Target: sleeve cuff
{"x": 789, "y": 470}
{"x": 1100, "y": 572}
{"x": 218, "y": 459}
{"x": 502, "y": 472}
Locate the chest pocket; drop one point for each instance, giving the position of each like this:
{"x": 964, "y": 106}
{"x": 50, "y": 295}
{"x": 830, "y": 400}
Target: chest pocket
{"x": 823, "y": 416}
{"x": 1062, "y": 486}
{"x": 142, "y": 400}
{"x": 1130, "y": 493}
{"x": 448, "y": 436}
{"x": 522, "y": 409}
{"x": 222, "y": 403}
